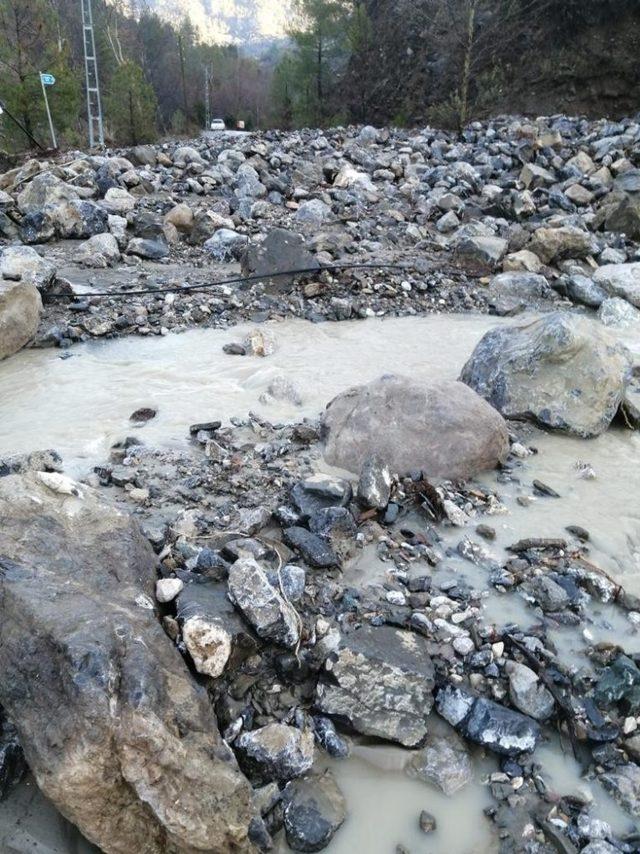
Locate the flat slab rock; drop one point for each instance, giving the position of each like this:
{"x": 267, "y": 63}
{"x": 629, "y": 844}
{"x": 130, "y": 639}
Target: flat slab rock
{"x": 117, "y": 733}
{"x": 380, "y": 682}
{"x": 439, "y": 427}
{"x": 562, "y": 371}
{"x": 502, "y": 730}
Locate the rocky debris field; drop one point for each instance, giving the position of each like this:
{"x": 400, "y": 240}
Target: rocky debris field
{"x": 188, "y": 642}
{"x": 511, "y": 214}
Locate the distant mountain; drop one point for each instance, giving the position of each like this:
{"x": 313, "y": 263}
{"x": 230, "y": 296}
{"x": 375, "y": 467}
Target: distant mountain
{"x": 223, "y": 21}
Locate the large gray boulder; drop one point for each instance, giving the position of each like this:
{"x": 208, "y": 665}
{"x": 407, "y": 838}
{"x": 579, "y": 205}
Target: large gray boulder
{"x": 440, "y": 427}
{"x": 510, "y": 293}
{"x": 20, "y": 308}
{"x": 101, "y": 250}
{"x": 280, "y": 251}
{"x": 620, "y": 280}
{"x": 624, "y": 217}
{"x": 44, "y": 189}
{"x": 22, "y": 263}
{"x": 116, "y": 731}
{"x": 555, "y": 244}
{"x": 78, "y": 219}
{"x": 563, "y": 371}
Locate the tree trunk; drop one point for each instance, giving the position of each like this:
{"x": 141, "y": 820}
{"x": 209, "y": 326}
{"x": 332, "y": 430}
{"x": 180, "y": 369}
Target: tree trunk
{"x": 319, "y": 86}
{"x": 132, "y": 121}
{"x": 465, "y": 83}
{"x": 184, "y": 79}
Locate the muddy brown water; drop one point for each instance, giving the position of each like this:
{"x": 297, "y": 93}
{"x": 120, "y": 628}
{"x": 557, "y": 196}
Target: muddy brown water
{"x": 79, "y": 405}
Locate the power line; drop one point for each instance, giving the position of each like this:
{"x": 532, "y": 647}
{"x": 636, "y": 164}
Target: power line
{"x": 3, "y": 108}
{"x": 232, "y": 281}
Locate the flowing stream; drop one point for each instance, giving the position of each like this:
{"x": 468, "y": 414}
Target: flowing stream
{"x": 79, "y": 402}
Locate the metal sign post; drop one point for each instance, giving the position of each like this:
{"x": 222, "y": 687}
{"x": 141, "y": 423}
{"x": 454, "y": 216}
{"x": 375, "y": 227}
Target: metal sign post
{"x": 48, "y": 80}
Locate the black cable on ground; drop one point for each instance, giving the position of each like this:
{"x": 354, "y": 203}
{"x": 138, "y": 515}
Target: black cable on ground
{"x": 235, "y": 280}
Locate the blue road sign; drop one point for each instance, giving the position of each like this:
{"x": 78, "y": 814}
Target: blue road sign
{"x": 48, "y": 79}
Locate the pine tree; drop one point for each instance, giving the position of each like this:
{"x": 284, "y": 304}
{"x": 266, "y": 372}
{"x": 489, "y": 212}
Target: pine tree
{"x": 28, "y": 46}
{"x": 320, "y": 56}
{"x": 131, "y": 106}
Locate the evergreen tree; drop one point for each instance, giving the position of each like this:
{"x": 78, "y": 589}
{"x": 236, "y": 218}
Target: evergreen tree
{"x": 320, "y": 55}
{"x": 131, "y": 106}
{"x": 29, "y": 46}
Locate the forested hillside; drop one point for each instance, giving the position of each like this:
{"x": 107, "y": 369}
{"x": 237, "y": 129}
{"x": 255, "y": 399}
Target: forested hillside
{"x": 425, "y": 58}
{"x": 239, "y": 21}
{"x": 448, "y": 61}
{"x": 378, "y": 61}
{"x": 152, "y": 72}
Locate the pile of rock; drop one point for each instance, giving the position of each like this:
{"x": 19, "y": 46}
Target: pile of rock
{"x": 550, "y": 206}
{"x": 248, "y": 586}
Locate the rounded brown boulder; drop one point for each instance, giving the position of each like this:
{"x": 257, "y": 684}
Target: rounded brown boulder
{"x": 441, "y": 427}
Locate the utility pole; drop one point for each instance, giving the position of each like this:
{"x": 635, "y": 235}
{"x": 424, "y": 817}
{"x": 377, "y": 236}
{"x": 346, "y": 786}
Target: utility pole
{"x": 207, "y": 99}
{"x": 184, "y": 79}
{"x": 94, "y": 106}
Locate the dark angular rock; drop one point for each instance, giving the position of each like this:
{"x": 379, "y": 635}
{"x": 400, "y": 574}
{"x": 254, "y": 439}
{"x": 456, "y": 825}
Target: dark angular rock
{"x": 315, "y": 550}
{"x": 316, "y": 493}
{"x": 261, "y": 604}
{"x": 213, "y": 632}
{"x": 143, "y": 415}
{"x": 620, "y": 681}
{"x": 314, "y": 810}
{"x": 154, "y": 250}
{"x": 281, "y": 250}
{"x": 504, "y": 731}
{"x": 328, "y": 737}
{"x": 374, "y": 486}
{"x": 275, "y": 752}
{"x": 206, "y": 426}
{"x": 13, "y": 766}
{"x": 427, "y": 822}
